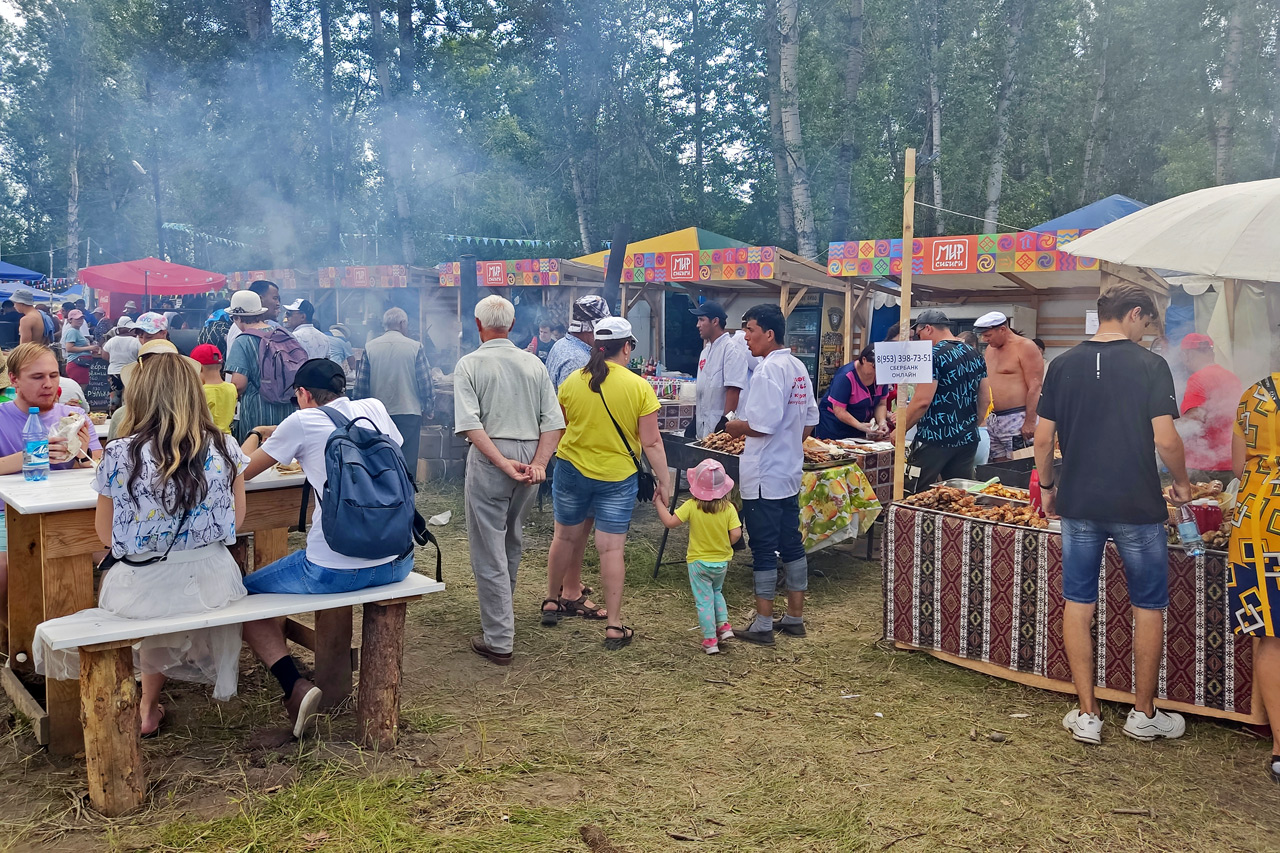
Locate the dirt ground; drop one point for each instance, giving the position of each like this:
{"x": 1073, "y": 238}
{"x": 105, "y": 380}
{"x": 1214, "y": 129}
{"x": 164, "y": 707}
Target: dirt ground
{"x": 831, "y": 743}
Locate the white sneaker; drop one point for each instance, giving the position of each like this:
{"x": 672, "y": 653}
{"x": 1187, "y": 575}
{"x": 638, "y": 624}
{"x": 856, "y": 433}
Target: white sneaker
{"x": 1086, "y": 728}
{"x": 1164, "y": 724}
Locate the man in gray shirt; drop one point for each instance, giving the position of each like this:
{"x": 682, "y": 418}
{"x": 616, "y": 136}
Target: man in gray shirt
{"x": 395, "y": 370}
{"x": 505, "y": 406}
{"x": 722, "y": 369}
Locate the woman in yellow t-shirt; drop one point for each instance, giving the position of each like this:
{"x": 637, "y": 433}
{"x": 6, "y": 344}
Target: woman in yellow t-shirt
{"x": 596, "y": 474}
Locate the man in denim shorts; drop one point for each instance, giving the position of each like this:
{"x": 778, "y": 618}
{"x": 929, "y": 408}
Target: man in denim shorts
{"x": 1111, "y": 403}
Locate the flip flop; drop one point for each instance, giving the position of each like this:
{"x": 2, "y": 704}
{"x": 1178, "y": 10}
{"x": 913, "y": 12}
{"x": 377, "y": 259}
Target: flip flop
{"x": 156, "y": 731}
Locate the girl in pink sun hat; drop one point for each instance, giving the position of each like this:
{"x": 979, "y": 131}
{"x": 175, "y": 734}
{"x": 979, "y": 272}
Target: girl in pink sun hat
{"x": 713, "y": 528}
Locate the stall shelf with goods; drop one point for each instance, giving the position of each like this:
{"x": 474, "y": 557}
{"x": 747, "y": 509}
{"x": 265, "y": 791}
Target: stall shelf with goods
{"x": 698, "y": 263}
{"x": 987, "y": 595}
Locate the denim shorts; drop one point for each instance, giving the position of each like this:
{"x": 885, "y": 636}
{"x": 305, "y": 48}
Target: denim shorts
{"x": 576, "y": 496}
{"x": 297, "y": 575}
{"x": 1143, "y": 548}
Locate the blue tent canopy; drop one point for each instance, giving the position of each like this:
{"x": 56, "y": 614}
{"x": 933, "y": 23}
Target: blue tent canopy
{"x": 1093, "y": 216}
{"x": 9, "y": 272}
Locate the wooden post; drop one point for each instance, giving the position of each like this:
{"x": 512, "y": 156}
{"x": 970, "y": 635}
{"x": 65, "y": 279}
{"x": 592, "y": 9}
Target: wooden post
{"x": 378, "y": 703}
{"x": 904, "y": 315}
{"x": 849, "y": 352}
{"x": 68, "y": 588}
{"x": 269, "y": 546}
{"x": 26, "y": 586}
{"x": 109, "y": 714}
{"x": 333, "y": 655}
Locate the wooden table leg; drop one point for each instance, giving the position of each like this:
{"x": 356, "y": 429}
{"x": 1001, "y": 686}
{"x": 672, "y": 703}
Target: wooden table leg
{"x": 68, "y": 588}
{"x": 26, "y": 585}
{"x": 378, "y": 703}
{"x": 333, "y": 655}
{"x": 269, "y": 546}
{"x": 113, "y": 754}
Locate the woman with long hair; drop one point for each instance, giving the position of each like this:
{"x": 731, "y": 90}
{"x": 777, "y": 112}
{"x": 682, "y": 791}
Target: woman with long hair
{"x": 610, "y": 414}
{"x": 170, "y": 499}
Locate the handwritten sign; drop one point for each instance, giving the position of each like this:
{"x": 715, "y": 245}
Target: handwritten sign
{"x": 98, "y": 391}
{"x": 900, "y": 362}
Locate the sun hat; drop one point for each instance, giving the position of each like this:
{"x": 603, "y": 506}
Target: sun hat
{"x": 245, "y": 304}
{"x": 586, "y": 311}
{"x": 613, "y": 329}
{"x": 22, "y": 296}
{"x": 130, "y": 304}
{"x": 151, "y": 323}
{"x": 207, "y": 354}
{"x": 708, "y": 481}
{"x": 1195, "y": 340}
{"x": 990, "y": 320}
{"x": 339, "y": 329}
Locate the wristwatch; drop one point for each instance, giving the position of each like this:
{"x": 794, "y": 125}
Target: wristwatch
{"x": 261, "y": 439}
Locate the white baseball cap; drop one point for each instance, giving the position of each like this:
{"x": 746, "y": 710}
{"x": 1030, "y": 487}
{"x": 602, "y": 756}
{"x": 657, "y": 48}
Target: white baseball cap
{"x": 125, "y": 322}
{"x": 990, "y": 320}
{"x": 612, "y": 329}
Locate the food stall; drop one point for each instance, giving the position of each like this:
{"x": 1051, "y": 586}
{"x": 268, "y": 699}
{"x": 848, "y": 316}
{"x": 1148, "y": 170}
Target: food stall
{"x": 977, "y": 581}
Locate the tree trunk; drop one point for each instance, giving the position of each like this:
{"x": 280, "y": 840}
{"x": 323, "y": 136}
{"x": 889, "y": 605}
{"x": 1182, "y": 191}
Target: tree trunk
{"x": 789, "y": 88}
{"x": 698, "y": 165}
{"x": 408, "y": 48}
{"x": 935, "y": 121}
{"x": 1008, "y": 82}
{"x": 1099, "y": 95}
{"x": 580, "y": 134}
{"x": 73, "y": 173}
{"x": 842, "y": 216}
{"x": 155, "y": 170}
{"x": 327, "y": 165}
{"x": 773, "y": 49}
{"x": 391, "y": 136}
{"x": 1225, "y": 115}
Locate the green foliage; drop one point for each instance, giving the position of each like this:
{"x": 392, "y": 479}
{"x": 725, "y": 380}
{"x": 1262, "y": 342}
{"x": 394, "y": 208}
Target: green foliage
{"x": 554, "y": 119}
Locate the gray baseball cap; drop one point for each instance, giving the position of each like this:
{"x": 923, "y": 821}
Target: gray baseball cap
{"x": 931, "y": 317}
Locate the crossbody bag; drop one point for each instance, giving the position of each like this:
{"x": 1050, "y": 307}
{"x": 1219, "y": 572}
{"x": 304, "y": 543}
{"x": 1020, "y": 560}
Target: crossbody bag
{"x": 111, "y": 559}
{"x": 645, "y": 482}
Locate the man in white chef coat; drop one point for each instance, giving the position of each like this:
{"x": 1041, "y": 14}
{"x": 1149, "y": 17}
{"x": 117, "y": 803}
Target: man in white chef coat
{"x": 780, "y": 412}
{"x": 722, "y": 369}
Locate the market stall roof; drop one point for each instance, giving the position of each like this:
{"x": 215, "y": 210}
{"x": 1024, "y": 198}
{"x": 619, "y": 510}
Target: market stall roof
{"x": 525, "y": 272}
{"x": 7, "y": 289}
{"x": 12, "y": 272}
{"x": 151, "y": 276}
{"x": 386, "y": 275}
{"x": 1102, "y": 212}
{"x": 694, "y": 258}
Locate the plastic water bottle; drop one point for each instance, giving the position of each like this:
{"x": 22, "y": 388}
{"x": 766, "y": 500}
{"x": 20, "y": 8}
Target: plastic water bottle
{"x": 1189, "y": 532}
{"x": 35, "y": 443}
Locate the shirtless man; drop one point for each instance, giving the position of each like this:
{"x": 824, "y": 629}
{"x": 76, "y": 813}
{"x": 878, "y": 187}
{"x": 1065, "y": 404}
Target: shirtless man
{"x": 31, "y": 326}
{"x": 1015, "y": 368}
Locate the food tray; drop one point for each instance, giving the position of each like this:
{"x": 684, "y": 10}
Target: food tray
{"x": 852, "y": 459}
{"x": 961, "y": 484}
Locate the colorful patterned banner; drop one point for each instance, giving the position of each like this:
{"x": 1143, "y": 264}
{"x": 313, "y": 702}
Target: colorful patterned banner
{"x": 744, "y": 263}
{"x": 1022, "y": 252}
{"x": 284, "y": 279}
{"x": 993, "y": 593}
{"x": 527, "y": 272}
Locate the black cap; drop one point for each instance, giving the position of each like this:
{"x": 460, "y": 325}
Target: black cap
{"x": 931, "y": 317}
{"x": 712, "y": 310}
{"x": 321, "y": 374}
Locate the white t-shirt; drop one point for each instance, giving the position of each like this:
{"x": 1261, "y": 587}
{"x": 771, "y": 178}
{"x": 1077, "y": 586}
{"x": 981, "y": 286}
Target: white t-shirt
{"x": 780, "y": 404}
{"x": 123, "y": 350}
{"x": 314, "y": 341}
{"x": 302, "y": 436}
{"x": 722, "y": 365}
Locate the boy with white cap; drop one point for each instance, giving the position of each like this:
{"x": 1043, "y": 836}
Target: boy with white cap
{"x": 1015, "y": 369}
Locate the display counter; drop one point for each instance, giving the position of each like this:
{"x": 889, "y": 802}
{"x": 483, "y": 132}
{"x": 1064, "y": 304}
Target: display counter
{"x": 988, "y": 596}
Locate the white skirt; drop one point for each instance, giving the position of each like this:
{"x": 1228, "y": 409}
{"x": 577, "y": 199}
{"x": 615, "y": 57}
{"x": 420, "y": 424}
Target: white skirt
{"x": 194, "y": 581}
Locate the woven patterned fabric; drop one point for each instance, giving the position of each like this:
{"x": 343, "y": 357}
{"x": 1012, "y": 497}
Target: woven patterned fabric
{"x": 993, "y": 593}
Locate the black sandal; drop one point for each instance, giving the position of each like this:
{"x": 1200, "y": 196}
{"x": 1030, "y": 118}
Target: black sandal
{"x": 578, "y": 607}
{"x": 551, "y": 618}
{"x": 615, "y": 643}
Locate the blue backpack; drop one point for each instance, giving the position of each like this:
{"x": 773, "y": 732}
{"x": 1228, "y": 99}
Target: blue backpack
{"x": 367, "y": 508}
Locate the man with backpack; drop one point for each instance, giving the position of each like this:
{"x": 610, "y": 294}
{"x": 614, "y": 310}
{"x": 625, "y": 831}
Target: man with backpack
{"x": 362, "y": 528}
{"x": 261, "y": 363}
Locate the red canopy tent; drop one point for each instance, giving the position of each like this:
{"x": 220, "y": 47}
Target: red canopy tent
{"x": 151, "y": 275}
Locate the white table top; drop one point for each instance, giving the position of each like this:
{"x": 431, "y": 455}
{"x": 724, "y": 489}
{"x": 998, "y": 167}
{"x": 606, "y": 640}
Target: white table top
{"x": 73, "y": 489}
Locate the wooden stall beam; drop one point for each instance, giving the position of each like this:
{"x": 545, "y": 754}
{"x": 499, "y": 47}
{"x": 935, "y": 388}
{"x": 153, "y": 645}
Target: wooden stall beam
{"x": 794, "y": 301}
{"x": 904, "y": 314}
{"x": 1021, "y": 282}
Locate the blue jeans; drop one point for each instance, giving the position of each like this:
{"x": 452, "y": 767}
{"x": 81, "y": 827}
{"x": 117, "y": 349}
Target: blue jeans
{"x": 773, "y": 527}
{"x": 575, "y": 497}
{"x": 1143, "y": 548}
{"x": 297, "y": 575}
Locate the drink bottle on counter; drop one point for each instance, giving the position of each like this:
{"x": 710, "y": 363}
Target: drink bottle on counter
{"x": 1189, "y": 532}
{"x": 35, "y": 447}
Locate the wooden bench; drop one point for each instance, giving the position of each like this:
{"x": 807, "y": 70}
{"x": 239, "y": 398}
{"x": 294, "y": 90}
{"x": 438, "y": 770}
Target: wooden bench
{"x": 109, "y": 693}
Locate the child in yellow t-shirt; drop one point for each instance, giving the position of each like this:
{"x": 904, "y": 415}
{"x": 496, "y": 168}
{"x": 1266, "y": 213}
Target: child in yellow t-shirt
{"x": 713, "y": 528}
{"x": 218, "y": 393}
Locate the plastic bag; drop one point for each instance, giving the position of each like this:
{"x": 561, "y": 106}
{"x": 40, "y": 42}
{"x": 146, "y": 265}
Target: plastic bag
{"x": 68, "y": 427}
{"x": 984, "y": 447}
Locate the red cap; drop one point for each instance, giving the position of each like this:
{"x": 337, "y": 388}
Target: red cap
{"x": 1195, "y": 340}
{"x": 207, "y": 354}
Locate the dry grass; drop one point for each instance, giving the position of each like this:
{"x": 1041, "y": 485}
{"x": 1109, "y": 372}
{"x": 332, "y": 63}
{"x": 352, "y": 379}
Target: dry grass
{"x": 827, "y": 744}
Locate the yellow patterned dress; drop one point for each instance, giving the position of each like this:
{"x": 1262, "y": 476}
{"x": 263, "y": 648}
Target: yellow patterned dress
{"x": 1255, "y": 540}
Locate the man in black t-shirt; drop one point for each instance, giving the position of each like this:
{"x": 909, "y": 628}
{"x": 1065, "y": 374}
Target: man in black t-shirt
{"x": 948, "y": 411}
{"x": 1111, "y": 404}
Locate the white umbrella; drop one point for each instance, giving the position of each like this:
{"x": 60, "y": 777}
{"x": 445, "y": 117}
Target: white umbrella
{"x": 1231, "y": 231}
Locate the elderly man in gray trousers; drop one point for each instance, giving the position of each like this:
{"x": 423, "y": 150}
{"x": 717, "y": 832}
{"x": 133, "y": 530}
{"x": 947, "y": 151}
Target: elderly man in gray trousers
{"x": 505, "y": 406}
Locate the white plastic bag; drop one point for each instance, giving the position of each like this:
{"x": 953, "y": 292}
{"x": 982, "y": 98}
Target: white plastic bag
{"x": 984, "y": 447}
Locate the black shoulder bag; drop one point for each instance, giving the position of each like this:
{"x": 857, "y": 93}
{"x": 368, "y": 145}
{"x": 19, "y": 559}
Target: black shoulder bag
{"x": 645, "y": 482}
{"x": 111, "y": 559}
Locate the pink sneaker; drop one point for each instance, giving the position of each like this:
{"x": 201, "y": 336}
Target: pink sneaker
{"x": 725, "y": 632}
{"x": 711, "y": 647}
